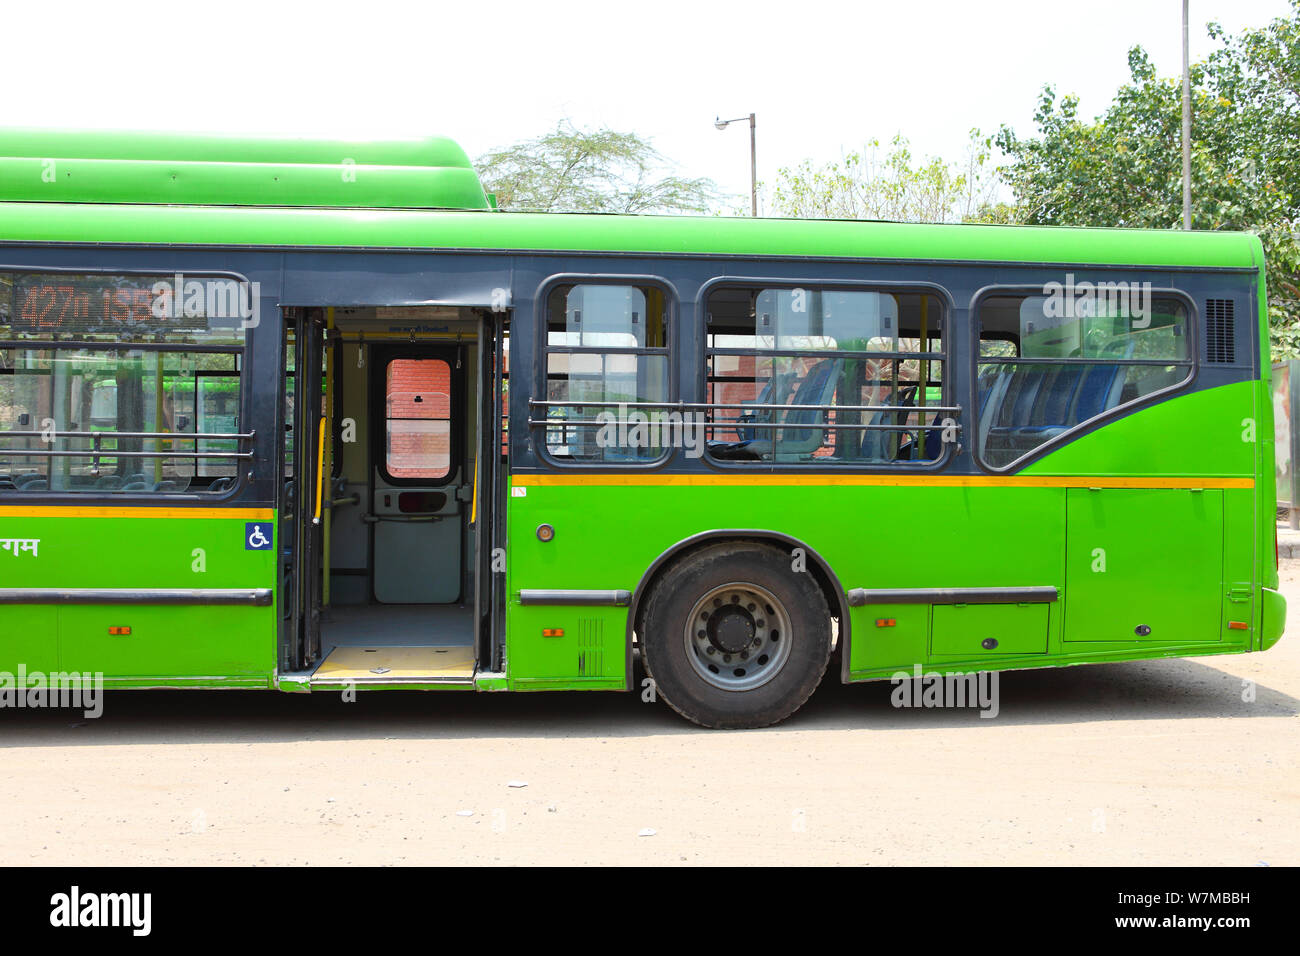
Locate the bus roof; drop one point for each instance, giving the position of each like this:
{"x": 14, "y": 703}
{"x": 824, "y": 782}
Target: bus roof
{"x": 105, "y": 166}
{"x": 650, "y": 235}
{"x": 266, "y": 191}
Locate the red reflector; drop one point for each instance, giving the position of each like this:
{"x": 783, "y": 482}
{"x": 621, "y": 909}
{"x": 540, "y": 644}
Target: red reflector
{"x": 119, "y": 630}
{"x": 1238, "y": 625}
{"x": 552, "y": 632}
{"x": 885, "y": 622}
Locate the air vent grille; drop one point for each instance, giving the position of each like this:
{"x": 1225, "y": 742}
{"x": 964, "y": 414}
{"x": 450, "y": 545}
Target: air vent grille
{"x": 1220, "y": 341}
{"x": 591, "y": 647}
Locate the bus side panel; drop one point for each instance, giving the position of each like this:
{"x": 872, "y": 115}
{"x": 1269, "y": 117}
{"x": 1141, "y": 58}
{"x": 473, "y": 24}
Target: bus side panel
{"x": 1186, "y": 551}
{"x": 583, "y": 647}
{"x": 977, "y": 537}
{"x": 29, "y": 636}
{"x": 1241, "y": 592}
{"x": 1196, "y": 433}
{"x": 84, "y": 548}
{"x": 608, "y": 535}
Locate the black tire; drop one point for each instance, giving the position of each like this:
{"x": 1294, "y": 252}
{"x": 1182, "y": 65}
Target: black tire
{"x": 673, "y": 663}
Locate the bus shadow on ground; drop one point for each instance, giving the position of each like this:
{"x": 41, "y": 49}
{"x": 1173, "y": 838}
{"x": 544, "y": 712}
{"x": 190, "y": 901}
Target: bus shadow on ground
{"x": 1175, "y": 689}
{"x": 1148, "y": 690}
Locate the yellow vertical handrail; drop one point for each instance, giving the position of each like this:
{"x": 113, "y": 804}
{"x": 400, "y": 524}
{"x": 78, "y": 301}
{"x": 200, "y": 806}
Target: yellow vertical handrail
{"x": 320, "y": 471}
{"x": 473, "y": 508}
{"x": 327, "y": 431}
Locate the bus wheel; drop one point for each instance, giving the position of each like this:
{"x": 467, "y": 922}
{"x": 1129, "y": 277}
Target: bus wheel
{"x": 735, "y": 638}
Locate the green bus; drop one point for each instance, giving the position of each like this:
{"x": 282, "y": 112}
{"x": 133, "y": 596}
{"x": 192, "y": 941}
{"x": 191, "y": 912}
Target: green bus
{"x": 313, "y": 415}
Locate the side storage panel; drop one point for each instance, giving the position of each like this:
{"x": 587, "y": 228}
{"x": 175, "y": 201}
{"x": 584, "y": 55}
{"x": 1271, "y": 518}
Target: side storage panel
{"x": 972, "y": 631}
{"x": 1144, "y": 565}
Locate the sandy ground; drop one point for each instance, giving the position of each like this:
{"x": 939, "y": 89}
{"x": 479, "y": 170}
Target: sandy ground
{"x": 1158, "y": 762}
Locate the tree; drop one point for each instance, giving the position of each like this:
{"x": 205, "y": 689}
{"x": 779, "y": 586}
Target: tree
{"x": 575, "y": 170}
{"x": 1125, "y": 167}
{"x": 862, "y": 185}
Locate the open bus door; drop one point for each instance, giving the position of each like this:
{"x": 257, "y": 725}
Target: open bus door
{"x": 393, "y": 499}
{"x": 301, "y": 533}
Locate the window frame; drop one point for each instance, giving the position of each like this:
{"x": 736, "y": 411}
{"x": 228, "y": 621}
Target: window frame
{"x": 543, "y": 350}
{"x": 387, "y": 354}
{"x": 761, "y": 283}
{"x": 243, "y": 355}
{"x": 1192, "y": 364}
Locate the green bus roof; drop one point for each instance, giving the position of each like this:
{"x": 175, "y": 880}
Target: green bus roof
{"x": 651, "y": 235}
{"x": 219, "y": 190}
{"x": 101, "y": 166}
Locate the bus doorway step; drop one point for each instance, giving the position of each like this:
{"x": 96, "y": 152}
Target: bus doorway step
{"x": 379, "y": 664}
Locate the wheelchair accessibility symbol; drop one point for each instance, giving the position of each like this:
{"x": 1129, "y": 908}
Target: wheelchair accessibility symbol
{"x": 257, "y": 536}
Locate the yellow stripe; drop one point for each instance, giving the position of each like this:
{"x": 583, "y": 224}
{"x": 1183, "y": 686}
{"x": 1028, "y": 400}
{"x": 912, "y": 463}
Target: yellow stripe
{"x": 118, "y": 511}
{"x": 889, "y": 481}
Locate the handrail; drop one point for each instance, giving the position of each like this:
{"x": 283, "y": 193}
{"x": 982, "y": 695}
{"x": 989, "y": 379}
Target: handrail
{"x": 732, "y": 426}
{"x": 188, "y": 436}
{"x": 114, "y": 453}
{"x": 708, "y": 406}
{"x": 98, "y": 451}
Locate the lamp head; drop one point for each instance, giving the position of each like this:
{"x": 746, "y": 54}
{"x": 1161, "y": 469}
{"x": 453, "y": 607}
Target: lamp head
{"x": 721, "y": 123}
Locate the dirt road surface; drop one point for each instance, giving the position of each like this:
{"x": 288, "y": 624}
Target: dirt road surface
{"x": 1160, "y": 762}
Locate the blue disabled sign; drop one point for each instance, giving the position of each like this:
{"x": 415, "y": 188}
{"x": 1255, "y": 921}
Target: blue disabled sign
{"x": 258, "y": 536}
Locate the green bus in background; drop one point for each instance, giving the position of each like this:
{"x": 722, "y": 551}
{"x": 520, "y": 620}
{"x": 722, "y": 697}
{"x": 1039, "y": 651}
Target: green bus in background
{"x": 533, "y": 446}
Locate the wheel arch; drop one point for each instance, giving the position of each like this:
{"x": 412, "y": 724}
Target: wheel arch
{"x": 827, "y": 581}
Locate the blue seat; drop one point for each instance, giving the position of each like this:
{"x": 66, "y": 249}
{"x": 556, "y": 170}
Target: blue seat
{"x": 774, "y": 392}
{"x": 1011, "y": 406}
{"x": 1050, "y": 415}
{"x": 816, "y": 388}
{"x": 933, "y": 440}
{"x": 1095, "y": 394}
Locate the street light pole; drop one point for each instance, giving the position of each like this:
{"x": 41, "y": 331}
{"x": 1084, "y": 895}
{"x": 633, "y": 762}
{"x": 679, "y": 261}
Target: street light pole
{"x": 1187, "y": 129}
{"x": 753, "y": 157}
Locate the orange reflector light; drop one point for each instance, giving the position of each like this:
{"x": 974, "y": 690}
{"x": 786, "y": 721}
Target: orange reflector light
{"x": 552, "y": 632}
{"x": 885, "y": 622}
{"x": 1238, "y": 626}
{"x": 119, "y": 630}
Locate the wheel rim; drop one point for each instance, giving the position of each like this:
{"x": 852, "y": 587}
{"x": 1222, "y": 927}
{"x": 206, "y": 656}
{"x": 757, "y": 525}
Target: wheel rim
{"x": 738, "y": 636}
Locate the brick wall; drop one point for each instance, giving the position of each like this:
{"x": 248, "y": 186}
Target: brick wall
{"x": 419, "y": 418}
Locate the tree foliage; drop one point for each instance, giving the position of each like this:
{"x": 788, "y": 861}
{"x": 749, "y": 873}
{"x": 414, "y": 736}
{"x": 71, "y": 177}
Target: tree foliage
{"x": 575, "y": 170}
{"x": 1124, "y": 168}
{"x": 896, "y": 186}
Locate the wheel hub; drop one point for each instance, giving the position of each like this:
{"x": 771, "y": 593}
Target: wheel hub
{"x": 731, "y": 630}
{"x": 738, "y": 636}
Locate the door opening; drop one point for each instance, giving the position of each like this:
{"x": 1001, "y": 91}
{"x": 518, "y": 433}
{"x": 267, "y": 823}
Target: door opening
{"x": 389, "y": 500}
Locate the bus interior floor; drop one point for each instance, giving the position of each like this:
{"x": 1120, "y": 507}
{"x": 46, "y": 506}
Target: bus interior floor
{"x": 396, "y": 643}
{"x": 397, "y": 625}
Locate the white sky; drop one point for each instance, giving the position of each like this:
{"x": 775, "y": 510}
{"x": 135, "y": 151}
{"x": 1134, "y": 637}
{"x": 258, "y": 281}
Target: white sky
{"x": 822, "y": 76}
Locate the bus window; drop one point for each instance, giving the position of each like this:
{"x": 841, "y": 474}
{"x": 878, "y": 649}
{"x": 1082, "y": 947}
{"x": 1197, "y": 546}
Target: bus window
{"x": 854, "y": 370}
{"x": 607, "y": 345}
{"x": 95, "y": 396}
{"x": 1043, "y": 373}
{"x": 418, "y": 419}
